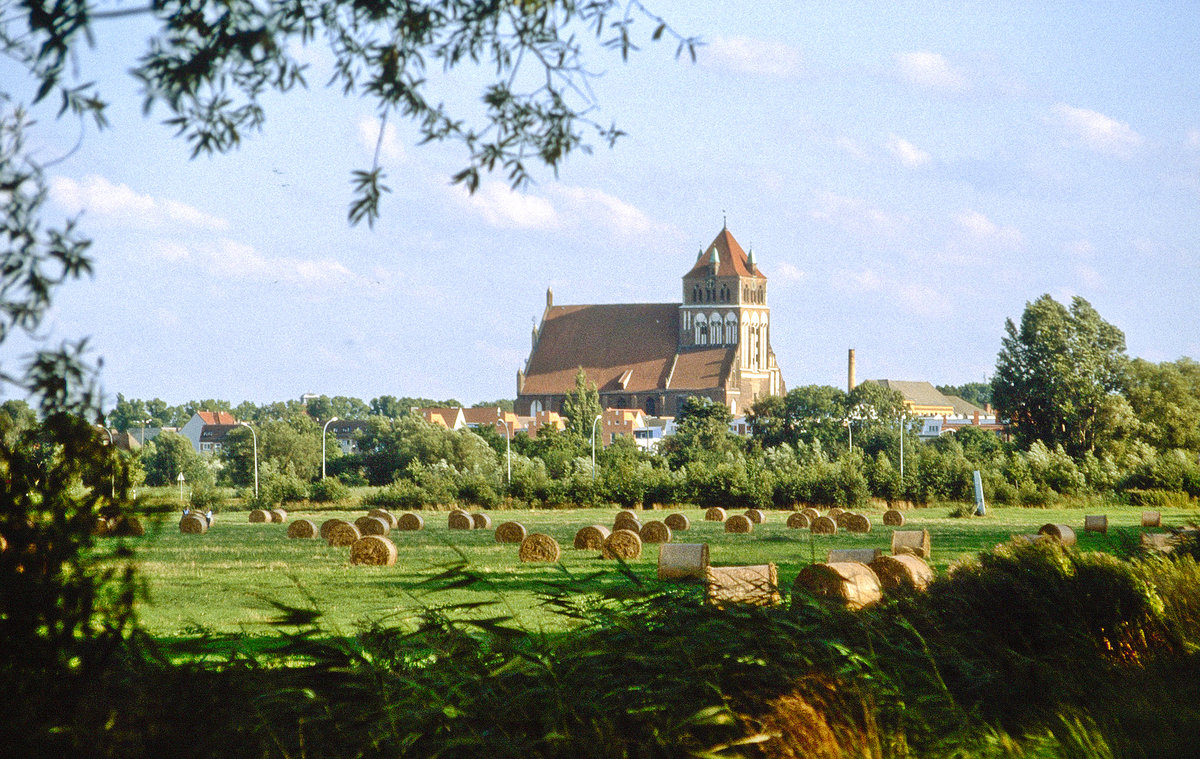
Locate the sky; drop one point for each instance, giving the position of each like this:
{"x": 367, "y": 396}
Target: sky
{"x": 909, "y": 176}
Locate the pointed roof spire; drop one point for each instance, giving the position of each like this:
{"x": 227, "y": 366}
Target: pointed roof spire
{"x": 750, "y": 262}
{"x": 714, "y": 258}
{"x": 728, "y": 257}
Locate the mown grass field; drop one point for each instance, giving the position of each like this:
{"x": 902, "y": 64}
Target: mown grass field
{"x": 225, "y": 581}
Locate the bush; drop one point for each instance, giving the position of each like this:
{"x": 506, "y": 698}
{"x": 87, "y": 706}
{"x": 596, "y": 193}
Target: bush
{"x": 329, "y": 490}
{"x": 205, "y": 498}
{"x": 402, "y": 495}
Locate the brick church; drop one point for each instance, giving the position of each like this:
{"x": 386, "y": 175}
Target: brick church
{"x": 652, "y": 356}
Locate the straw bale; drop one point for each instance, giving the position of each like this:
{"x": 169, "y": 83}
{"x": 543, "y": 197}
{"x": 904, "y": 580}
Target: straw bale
{"x": 372, "y": 526}
{"x": 756, "y": 585}
{"x": 1151, "y": 519}
{"x": 510, "y": 532}
{"x": 893, "y": 518}
{"x": 739, "y": 523}
{"x": 1032, "y": 537}
{"x": 278, "y": 516}
{"x": 260, "y": 516}
{"x": 302, "y": 528}
{"x": 99, "y": 529}
{"x": 482, "y": 521}
{"x": 385, "y": 515}
{"x": 327, "y": 525}
{"x": 126, "y": 527}
{"x": 655, "y": 531}
{"x": 715, "y": 514}
{"x": 539, "y": 547}
{"x": 824, "y": 526}
{"x": 410, "y": 522}
{"x": 902, "y": 570}
{"x": 460, "y": 520}
{"x": 1096, "y": 523}
{"x": 811, "y": 513}
{"x": 858, "y": 523}
{"x": 864, "y": 555}
{"x": 682, "y": 561}
{"x": 591, "y": 538}
{"x": 850, "y": 583}
{"x": 193, "y": 524}
{"x": 622, "y": 544}
{"x": 625, "y": 520}
{"x": 755, "y": 515}
{"x": 342, "y": 534}
{"x": 833, "y": 513}
{"x": 915, "y": 542}
{"x": 1163, "y": 542}
{"x": 798, "y": 520}
{"x": 1060, "y": 532}
{"x": 842, "y": 518}
{"x": 677, "y": 522}
{"x": 373, "y": 550}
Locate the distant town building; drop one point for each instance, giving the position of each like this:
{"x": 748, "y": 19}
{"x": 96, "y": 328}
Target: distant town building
{"x": 207, "y": 430}
{"x": 653, "y": 356}
{"x": 450, "y": 417}
{"x": 941, "y": 413}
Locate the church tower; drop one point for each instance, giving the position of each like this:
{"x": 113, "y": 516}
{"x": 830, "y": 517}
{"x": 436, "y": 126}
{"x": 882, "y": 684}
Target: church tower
{"x": 725, "y": 305}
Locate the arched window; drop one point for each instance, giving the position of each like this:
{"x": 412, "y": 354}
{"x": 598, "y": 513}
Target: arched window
{"x": 731, "y": 329}
{"x": 535, "y": 408}
{"x": 650, "y": 406}
{"x": 701, "y": 337}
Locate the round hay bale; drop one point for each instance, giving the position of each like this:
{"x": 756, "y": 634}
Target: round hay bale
{"x": 193, "y": 524}
{"x": 842, "y": 519}
{"x": 372, "y": 526}
{"x": 655, "y": 531}
{"x": 850, "y": 583}
{"x": 622, "y": 544}
{"x": 260, "y": 516}
{"x": 677, "y": 522}
{"x": 755, "y": 515}
{"x": 327, "y": 525}
{"x": 903, "y": 570}
{"x": 1096, "y": 523}
{"x": 627, "y": 521}
{"x": 798, "y": 520}
{"x": 811, "y": 513}
{"x": 510, "y": 532}
{"x": 915, "y": 542}
{"x": 858, "y": 523}
{"x": 126, "y": 527}
{"x": 739, "y": 524}
{"x": 1060, "y": 532}
{"x": 460, "y": 520}
{"x": 302, "y": 528}
{"x": 591, "y": 538}
{"x": 373, "y": 550}
{"x": 1151, "y": 519}
{"x": 278, "y": 516}
{"x": 482, "y": 521}
{"x": 410, "y": 522}
{"x": 682, "y": 561}
{"x": 833, "y": 513}
{"x": 343, "y": 534}
{"x": 101, "y": 528}
{"x": 539, "y": 547}
{"x": 385, "y": 515}
{"x": 715, "y": 514}
{"x": 893, "y": 518}
{"x": 824, "y": 526}
{"x": 754, "y": 585}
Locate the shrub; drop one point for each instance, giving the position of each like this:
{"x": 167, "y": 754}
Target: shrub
{"x": 329, "y": 490}
{"x": 402, "y": 495}
{"x": 205, "y": 498}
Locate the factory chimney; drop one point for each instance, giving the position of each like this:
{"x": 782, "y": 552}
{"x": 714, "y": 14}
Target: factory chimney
{"x": 850, "y": 372}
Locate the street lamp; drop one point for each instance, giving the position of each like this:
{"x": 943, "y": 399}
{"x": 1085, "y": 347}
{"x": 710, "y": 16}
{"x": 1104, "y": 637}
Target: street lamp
{"x": 507, "y": 448}
{"x": 255, "y": 434}
{"x": 323, "y": 431}
{"x": 901, "y": 449}
{"x": 144, "y": 422}
{"x": 180, "y": 478}
{"x": 594, "y": 423}
{"x": 112, "y": 475}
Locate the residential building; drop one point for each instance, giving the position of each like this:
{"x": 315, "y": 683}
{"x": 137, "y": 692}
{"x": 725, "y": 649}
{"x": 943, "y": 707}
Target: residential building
{"x": 195, "y": 427}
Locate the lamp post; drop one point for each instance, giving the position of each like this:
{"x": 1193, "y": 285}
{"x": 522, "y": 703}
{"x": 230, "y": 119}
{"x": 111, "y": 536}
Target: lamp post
{"x": 850, "y": 433}
{"x": 507, "y": 448}
{"x": 112, "y": 475}
{"x": 594, "y": 423}
{"x": 255, "y": 434}
{"x": 324, "y": 430}
{"x": 902, "y": 449}
{"x": 180, "y": 478}
{"x": 144, "y": 422}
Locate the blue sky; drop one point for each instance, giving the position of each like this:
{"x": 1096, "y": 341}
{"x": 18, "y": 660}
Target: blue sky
{"x": 909, "y": 175}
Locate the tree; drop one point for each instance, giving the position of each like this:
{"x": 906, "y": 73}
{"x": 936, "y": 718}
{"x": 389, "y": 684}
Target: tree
{"x": 806, "y": 414}
{"x": 701, "y": 433}
{"x": 1056, "y": 373}
{"x": 1165, "y": 399}
{"x": 979, "y": 393}
{"x": 582, "y": 406}
{"x": 170, "y": 454}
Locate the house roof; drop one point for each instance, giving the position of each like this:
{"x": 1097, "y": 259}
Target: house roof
{"x": 918, "y": 393}
{"x": 216, "y": 433}
{"x": 216, "y": 417}
{"x": 963, "y": 407}
{"x": 703, "y": 368}
{"x": 488, "y": 416}
{"x": 608, "y": 341}
{"x": 446, "y": 416}
{"x": 732, "y": 260}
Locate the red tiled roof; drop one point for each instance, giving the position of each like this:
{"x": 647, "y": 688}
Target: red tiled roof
{"x": 703, "y": 368}
{"x": 731, "y": 259}
{"x": 217, "y": 417}
{"x": 607, "y": 341}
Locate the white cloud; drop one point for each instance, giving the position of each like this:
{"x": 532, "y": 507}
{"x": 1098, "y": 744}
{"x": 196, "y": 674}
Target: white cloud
{"x": 907, "y": 153}
{"x": 232, "y": 260}
{"x": 118, "y": 203}
{"x": 852, "y": 148}
{"x": 1097, "y": 131}
{"x": 787, "y": 273}
{"x": 861, "y": 281}
{"x": 930, "y": 70}
{"x": 747, "y": 55}
{"x": 982, "y": 229}
{"x": 605, "y": 210}
{"x": 390, "y": 148}
{"x": 1193, "y": 139}
{"x": 1089, "y": 277}
{"x": 501, "y": 206}
{"x": 851, "y": 213}
{"x": 1081, "y": 249}
{"x": 924, "y": 300}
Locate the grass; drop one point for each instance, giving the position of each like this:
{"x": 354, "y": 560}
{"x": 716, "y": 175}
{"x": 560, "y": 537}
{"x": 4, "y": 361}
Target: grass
{"x": 232, "y": 580}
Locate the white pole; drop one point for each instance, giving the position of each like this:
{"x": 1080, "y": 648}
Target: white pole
{"x": 324, "y": 430}
{"x": 901, "y": 449}
{"x": 112, "y": 475}
{"x": 507, "y": 450}
{"x": 255, "y": 434}
{"x": 594, "y": 423}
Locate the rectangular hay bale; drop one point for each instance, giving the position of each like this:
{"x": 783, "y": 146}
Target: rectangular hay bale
{"x": 1095, "y": 523}
{"x": 915, "y": 542}
{"x": 756, "y": 585}
{"x": 862, "y": 555}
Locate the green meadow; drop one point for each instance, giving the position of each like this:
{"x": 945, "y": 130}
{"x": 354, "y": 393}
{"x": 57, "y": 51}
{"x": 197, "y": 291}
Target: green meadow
{"x": 233, "y": 580}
